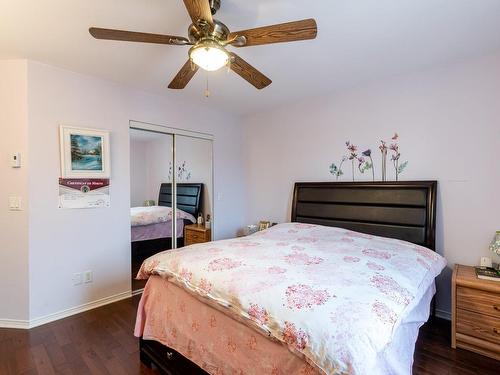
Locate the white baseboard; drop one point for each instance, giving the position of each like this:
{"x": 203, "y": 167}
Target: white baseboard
{"x": 14, "y": 323}
{"x": 443, "y": 314}
{"x": 25, "y": 324}
{"x": 138, "y": 291}
{"x": 79, "y": 309}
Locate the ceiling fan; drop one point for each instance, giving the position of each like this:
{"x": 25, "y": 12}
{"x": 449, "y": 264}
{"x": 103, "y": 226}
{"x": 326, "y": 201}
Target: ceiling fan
{"x": 209, "y": 39}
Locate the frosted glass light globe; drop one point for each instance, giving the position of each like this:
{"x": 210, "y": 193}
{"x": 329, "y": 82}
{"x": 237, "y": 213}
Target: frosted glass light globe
{"x": 209, "y": 57}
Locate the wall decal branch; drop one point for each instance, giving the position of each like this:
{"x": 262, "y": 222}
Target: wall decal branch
{"x": 364, "y": 164}
{"x": 396, "y": 155}
{"x": 337, "y": 171}
{"x": 353, "y": 155}
{"x": 365, "y": 160}
{"x": 383, "y": 150}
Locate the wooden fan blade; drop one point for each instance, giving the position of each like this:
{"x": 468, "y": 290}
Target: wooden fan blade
{"x": 184, "y": 76}
{"x": 248, "y": 72}
{"x": 132, "y": 36}
{"x": 199, "y": 10}
{"x": 283, "y": 32}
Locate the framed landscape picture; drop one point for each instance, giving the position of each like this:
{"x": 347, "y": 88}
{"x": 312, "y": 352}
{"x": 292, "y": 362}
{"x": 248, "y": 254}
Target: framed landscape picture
{"x": 84, "y": 153}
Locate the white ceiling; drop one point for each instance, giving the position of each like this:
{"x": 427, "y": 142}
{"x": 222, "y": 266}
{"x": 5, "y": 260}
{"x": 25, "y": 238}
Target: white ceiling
{"x": 358, "y": 41}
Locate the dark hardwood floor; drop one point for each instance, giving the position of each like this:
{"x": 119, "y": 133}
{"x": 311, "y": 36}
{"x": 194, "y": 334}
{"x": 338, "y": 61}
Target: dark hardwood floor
{"x": 100, "y": 341}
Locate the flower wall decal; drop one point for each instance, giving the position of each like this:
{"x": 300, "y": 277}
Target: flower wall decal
{"x": 395, "y": 157}
{"x": 353, "y": 155}
{"x": 337, "y": 170}
{"x": 170, "y": 168}
{"x": 183, "y": 174}
{"x": 365, "y": 165}
{"x": 365, "y": 161}
{"x": 383, "y": 150}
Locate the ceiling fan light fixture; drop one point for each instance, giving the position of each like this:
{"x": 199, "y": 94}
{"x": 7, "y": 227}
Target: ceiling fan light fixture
{"x": 210, "y": 37}
{"x": 209, "y": 56}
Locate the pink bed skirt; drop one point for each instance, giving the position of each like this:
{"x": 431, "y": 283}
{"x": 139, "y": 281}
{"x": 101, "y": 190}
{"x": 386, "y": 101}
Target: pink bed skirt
{"x": 213, "y": 340}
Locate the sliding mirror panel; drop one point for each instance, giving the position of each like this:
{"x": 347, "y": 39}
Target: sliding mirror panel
{"x": 193, "y": 189}
{"x": 151, "y": 174}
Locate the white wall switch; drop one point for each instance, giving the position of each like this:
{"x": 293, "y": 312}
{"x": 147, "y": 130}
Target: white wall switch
{"x": 15, "y": 204}
{"x": 87, "y": 276}
{"x": 15, "y": 160}
{"x": 77, "y": 278}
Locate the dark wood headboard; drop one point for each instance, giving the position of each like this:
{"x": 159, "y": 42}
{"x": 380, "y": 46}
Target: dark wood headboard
{"x": 189, "y": 197}
{"x": 404, "y": 210}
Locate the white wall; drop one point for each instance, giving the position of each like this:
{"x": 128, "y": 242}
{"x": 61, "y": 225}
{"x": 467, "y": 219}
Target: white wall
{"x": 63, "y": 242}
{"x": 449, "y": 123}
{"x": 14, "y": 182}
{"x": 159, "y": 157}
{"x": 138, "y": 173}
{"x": 197, "y": 153}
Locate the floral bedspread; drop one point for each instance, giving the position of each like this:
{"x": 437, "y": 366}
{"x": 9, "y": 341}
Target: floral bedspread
{"x": 332, "y": 295}
{"x": 156, "y": 214}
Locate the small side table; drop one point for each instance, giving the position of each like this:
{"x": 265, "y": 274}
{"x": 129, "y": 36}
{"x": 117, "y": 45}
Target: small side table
{"x": 475, "y": 313}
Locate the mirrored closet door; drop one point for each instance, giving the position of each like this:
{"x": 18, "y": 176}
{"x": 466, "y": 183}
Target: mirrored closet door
{"x": 151, "y": 161}
{"x": 171, "y": 187}
{"x": 193, "y": 160}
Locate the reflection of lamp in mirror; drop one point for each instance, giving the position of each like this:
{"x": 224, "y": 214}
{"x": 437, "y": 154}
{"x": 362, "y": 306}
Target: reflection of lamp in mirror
{"x": 495, "y": 245}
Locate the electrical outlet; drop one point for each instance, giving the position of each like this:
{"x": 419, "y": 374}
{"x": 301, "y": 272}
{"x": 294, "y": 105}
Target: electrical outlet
{"x": 15, "y": 204}
{"x": 87, "y": 276}
{"x": 77, "y": 278}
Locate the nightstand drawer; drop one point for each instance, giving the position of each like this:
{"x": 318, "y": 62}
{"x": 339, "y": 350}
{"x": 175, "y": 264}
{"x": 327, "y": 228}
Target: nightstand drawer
{"x": 195, "y": 237}
{"x": 196, "y": 234}
{"x": 483, "y": 327}
{"x": 478, "y": 301}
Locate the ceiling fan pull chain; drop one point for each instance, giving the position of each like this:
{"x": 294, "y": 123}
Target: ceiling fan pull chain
{"x": 207, "y": 91}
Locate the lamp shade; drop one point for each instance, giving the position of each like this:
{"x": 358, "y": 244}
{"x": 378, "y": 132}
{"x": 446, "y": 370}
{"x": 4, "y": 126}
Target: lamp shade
{"x": 209, "y": 56}
{"x": 495, "y": 244}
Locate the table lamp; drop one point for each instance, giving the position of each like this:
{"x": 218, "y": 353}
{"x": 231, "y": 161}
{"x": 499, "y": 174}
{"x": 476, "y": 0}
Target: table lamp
{"x": 495, "y": 245}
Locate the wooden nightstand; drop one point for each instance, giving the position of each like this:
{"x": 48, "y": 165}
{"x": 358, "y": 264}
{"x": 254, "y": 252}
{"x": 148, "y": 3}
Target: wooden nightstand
{"x": 195, "y": 233}
{"x": 475, "y": 313}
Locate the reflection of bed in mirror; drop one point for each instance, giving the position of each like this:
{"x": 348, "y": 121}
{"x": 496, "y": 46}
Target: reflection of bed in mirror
{"x": 151, "y": 227}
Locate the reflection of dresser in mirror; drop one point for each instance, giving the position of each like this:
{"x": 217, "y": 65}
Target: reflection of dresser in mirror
{"x": 195, "y": 233}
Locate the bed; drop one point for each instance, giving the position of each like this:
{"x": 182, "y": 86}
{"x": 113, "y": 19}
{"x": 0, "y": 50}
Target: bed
{"x": 343, "y": 288}
{"x": 151, "y": 223}
{"x": 151, "y": 227}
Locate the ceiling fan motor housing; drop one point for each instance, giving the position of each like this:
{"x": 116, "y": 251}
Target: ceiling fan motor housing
{"x": 219, "y": 32}
{"x": 214, "y": 6}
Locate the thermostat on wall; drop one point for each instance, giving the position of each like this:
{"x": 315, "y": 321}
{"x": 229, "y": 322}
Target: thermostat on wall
{"x": 15, "y": 160}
